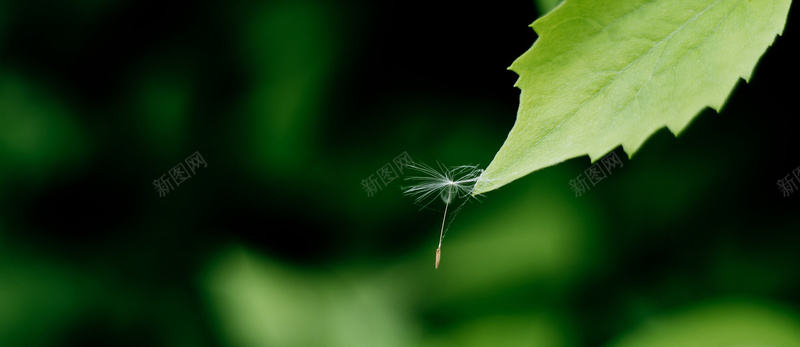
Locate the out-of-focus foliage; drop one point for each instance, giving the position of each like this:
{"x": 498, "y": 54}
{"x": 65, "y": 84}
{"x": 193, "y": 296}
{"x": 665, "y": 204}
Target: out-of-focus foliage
{"x": 726, "y": 323}
{"x": 276, "y": 243}
{"x": 39, "y": 138}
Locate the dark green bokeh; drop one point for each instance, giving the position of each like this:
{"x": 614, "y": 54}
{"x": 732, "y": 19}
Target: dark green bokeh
{"x": 292, "y": 104}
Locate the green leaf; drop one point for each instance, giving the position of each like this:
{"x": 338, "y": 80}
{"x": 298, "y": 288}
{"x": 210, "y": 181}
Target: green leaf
{"x": 605, "y": 73}
{"x": 544, "y": 6}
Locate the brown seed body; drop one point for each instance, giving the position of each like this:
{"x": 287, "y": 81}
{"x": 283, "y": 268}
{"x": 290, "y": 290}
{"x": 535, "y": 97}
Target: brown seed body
{"x": 438, "y": 256}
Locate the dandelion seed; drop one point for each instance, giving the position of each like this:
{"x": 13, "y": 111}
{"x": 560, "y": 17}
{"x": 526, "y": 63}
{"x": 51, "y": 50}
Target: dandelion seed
{"x": 447, "y": 184}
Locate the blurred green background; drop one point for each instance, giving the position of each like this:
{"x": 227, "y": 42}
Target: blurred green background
{"x": 275, "y": 243}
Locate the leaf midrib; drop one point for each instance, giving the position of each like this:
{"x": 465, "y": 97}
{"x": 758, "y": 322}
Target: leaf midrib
{"x": 619, "y": 73}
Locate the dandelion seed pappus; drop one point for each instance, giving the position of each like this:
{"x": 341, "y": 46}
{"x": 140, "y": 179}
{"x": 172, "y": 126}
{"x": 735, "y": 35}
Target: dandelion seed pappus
{"x": 447, "y": 184}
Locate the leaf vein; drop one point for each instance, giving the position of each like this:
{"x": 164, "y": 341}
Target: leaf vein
{"x": 606, "y": 85}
